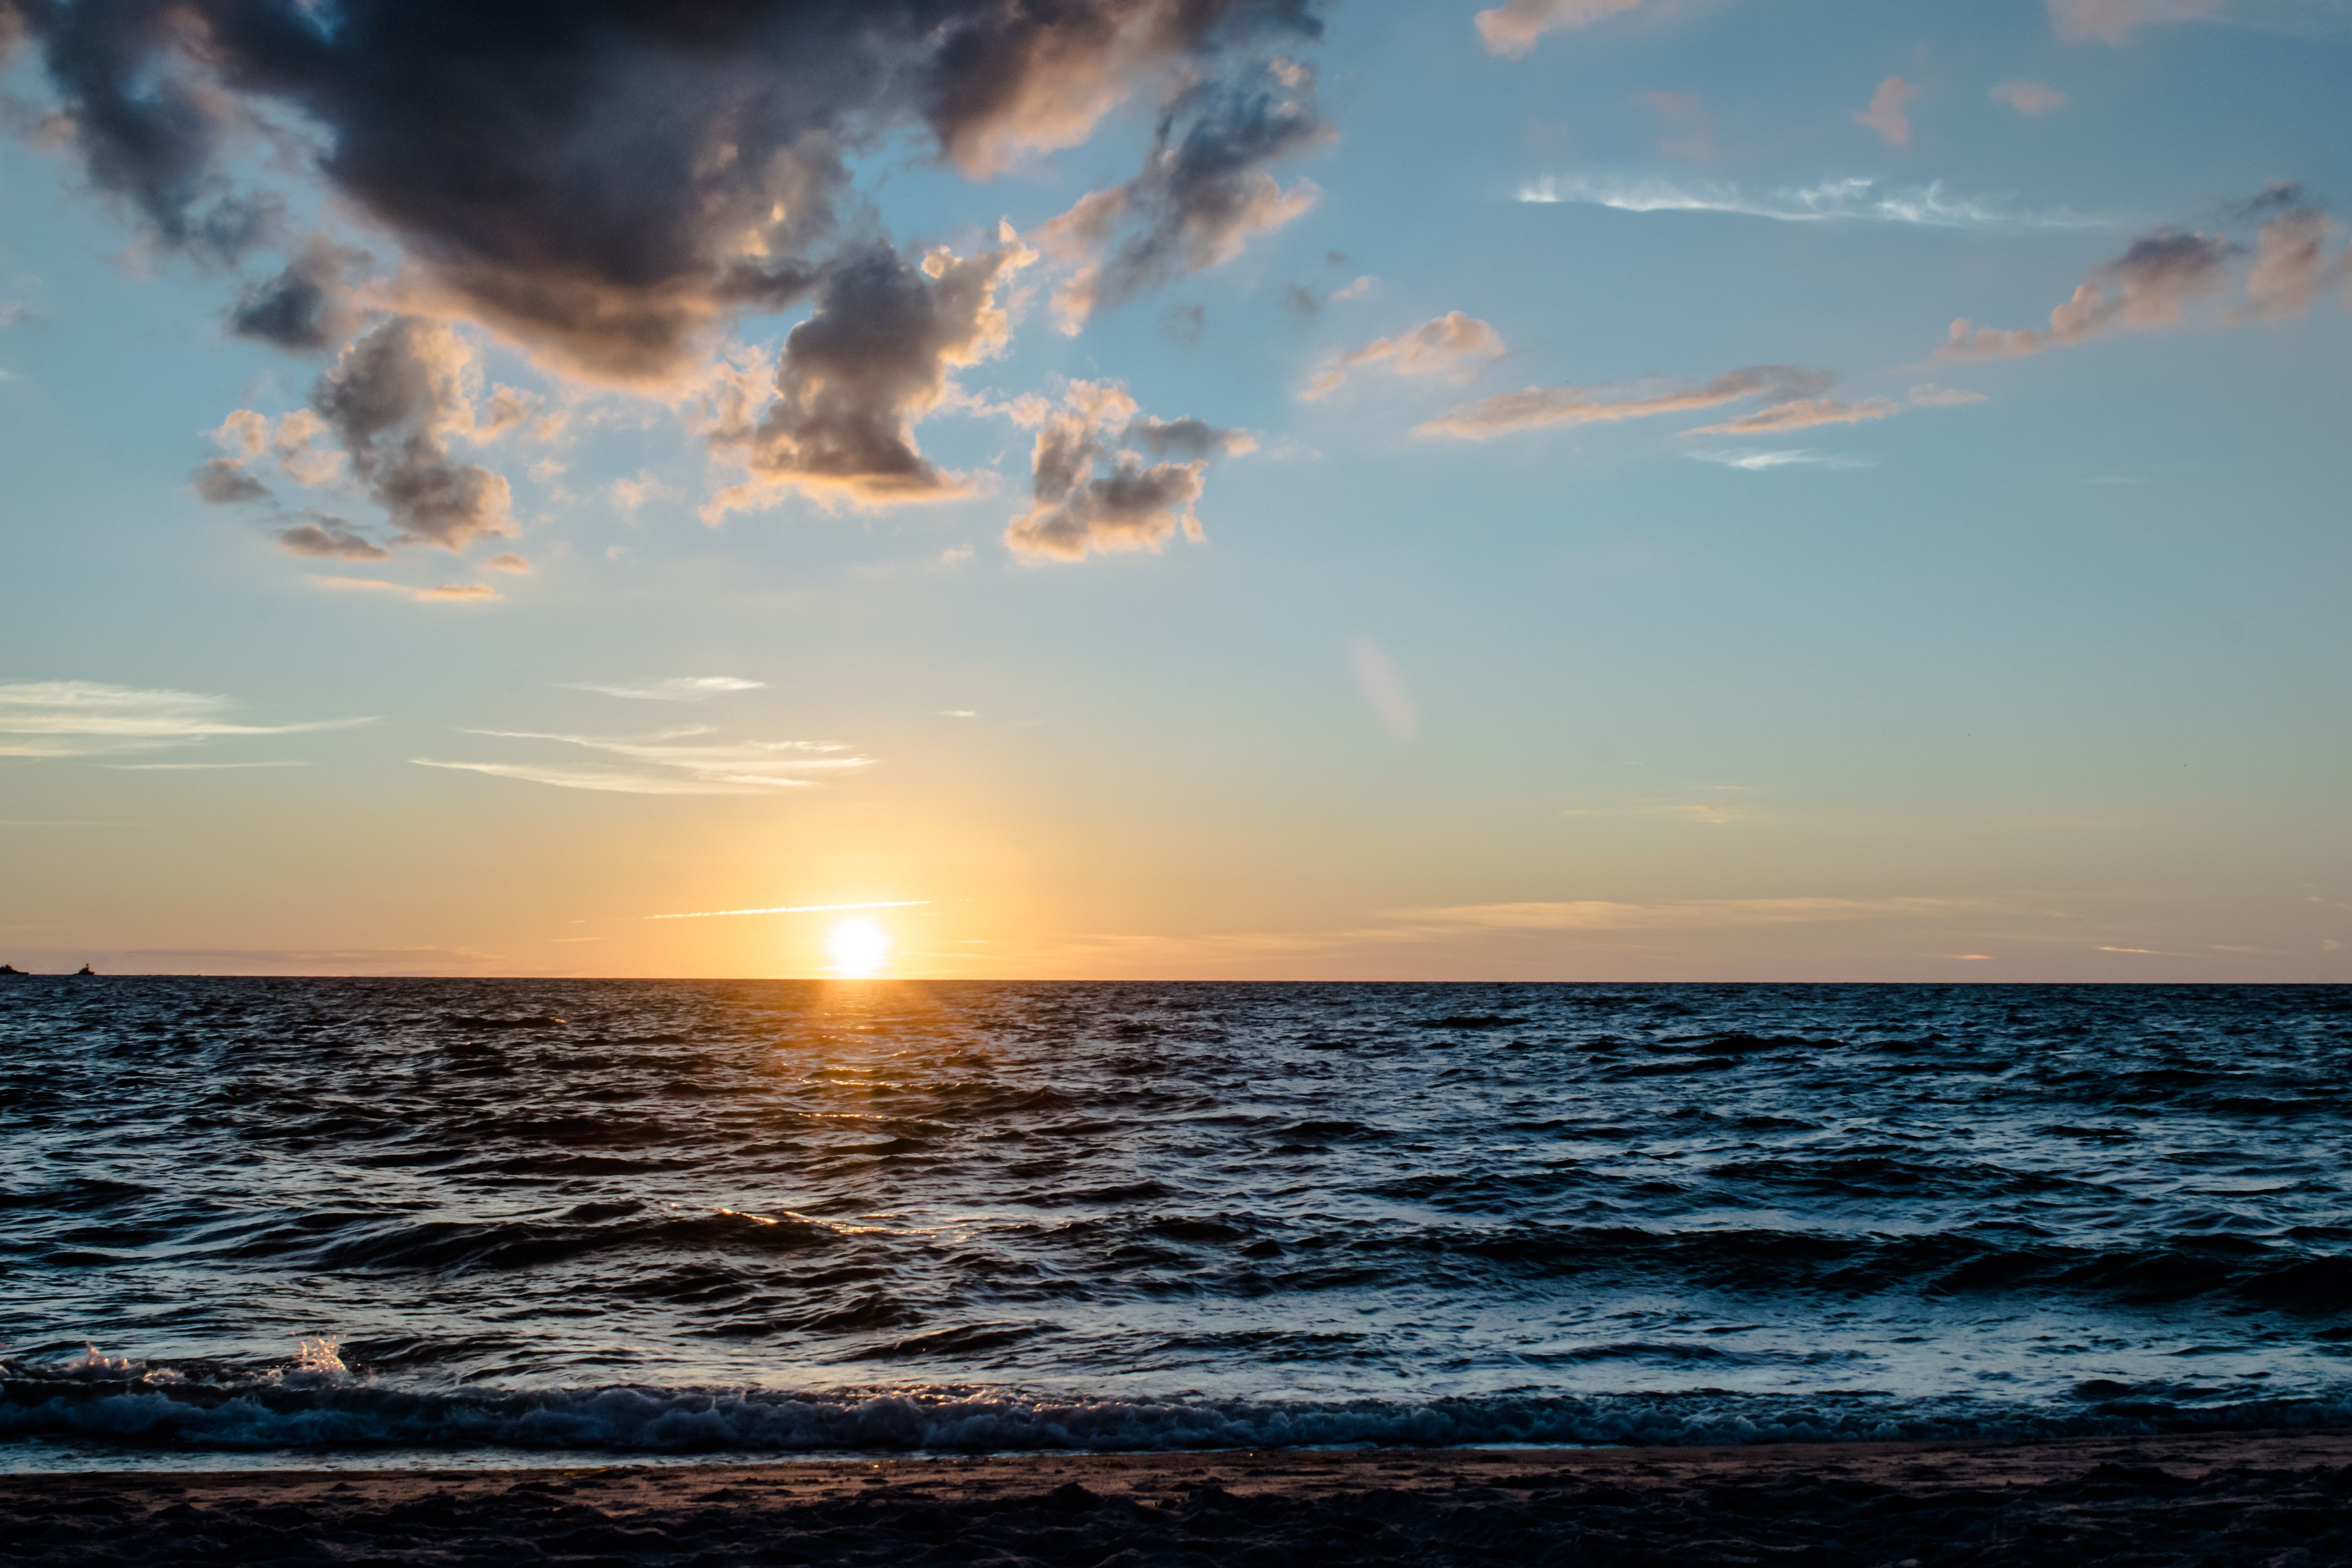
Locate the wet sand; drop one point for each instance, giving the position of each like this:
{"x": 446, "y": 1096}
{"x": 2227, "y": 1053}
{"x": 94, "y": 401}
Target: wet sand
{"x": 2280, "y": 1500}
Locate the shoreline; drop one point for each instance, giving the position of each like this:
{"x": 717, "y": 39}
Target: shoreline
{"x": 2282, "y": 1499}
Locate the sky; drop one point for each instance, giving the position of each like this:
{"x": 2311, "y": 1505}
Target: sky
{"x": 1581, "y": 490}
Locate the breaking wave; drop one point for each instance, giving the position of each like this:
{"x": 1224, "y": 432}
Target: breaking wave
{"x": 122, "y": 1402}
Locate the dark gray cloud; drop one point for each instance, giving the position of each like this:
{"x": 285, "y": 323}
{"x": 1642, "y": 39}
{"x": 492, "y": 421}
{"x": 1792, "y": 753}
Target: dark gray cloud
{"x": 1185, "y": 438}
{"x": 874, "y": 358}
{"x": 1204, "y": 190}
{"x": 1301, "y": 301}
{"x": 221, "y": 482}
{"x": 607, "y": 181}
{"x": 392, "y": 399}
{"x": 1184, "y": 324}
{"x": 1132, "y": 507}
{"x": 330, "y": 537}
{"x": 306, "y": 306}
{"x": 1092, "y": 492}
{"x": 2278, "y": 196}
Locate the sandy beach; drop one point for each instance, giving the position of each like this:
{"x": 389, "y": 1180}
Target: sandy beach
{"x": 2281, "y": 1499}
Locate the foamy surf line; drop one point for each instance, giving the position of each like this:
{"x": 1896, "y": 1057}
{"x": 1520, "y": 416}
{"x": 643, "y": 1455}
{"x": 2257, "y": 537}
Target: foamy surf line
{"x": 161, "y": 1409}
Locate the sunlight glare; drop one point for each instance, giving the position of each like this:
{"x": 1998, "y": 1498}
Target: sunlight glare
{"x": 859, "y": 948}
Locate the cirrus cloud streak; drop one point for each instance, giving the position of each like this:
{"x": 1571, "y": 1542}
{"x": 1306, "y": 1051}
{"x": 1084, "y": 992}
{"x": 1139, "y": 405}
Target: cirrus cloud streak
{"x": 88, "y": 718}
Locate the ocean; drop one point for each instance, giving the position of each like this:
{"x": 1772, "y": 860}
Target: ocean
{"x": 262, "y": 1222}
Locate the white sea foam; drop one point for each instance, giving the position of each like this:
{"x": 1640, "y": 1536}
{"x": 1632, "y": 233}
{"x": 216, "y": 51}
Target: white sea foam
{"x": 319, "y": 1357}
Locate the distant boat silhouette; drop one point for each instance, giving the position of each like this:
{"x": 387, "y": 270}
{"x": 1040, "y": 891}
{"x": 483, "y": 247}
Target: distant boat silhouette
{"x": 10, "y": 969}
{"x": 85, "y": 969}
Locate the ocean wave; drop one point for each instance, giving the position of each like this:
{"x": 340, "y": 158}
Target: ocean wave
{"x": 123, "y": 1403}
{"x": 1265, "y": 1191}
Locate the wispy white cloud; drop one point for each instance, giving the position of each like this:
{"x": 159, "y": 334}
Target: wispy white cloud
{"x": 84, "y": 718}
{"x": 792, "y": 909}
{"x": 674, "y": 688}
{"x": 1753, "y": 460}
{"x": 672, "y": 762}
{"x": 1593, "y": 914}
{"x": 1383, "y": 689}
{"x": 1853, "y": 201}
{"x": 608, "y": 780}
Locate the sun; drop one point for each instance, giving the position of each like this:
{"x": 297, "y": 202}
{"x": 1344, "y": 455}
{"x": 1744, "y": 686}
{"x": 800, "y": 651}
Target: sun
{"x": 859, "y": 948}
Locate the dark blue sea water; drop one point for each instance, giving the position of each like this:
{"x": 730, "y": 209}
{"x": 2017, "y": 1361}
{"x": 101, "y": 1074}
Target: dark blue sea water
{"x": 717, "y": 1217}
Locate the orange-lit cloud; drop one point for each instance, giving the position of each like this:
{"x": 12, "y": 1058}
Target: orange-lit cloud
{"x": 1536, "y": 407}
{"x": 2115, "y": 21}
{"x": 1450, "y": 344}
{"x": 2030, "y": 99}
{"x": 1886, "y": 115}
{"x": 1693, "y": 132}
{"x": 2145, "y": 288}
{"x": 2152, "y": 285}
{"x": 1801, "y": 414}
{"x": 1512, "y": 28}
{"x": 2291, "y": 267}
{"x": 447, "y": 593}
{"x": 1593, "y": 914}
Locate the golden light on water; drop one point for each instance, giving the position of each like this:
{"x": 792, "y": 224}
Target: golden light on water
{"x": 858, "y": 949}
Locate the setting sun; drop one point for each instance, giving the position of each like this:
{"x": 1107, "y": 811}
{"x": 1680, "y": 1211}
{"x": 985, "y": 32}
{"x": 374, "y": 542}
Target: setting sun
{"x": 858, "y": 949}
